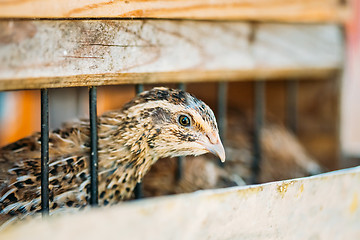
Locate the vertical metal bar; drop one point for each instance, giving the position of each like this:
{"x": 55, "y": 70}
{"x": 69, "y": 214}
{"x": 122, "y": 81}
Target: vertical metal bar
{"x": 180, "y": 166}
{"x": 259, "y": 100}
{"x": 139, "y": 88}
{"x": 291, "y": 105}
{"x": 182, "y": 86}
{"x": 180, "y": 160}
{"x": 221, "y": 110}
{"x": 44, "y": 152}
{"x": 138, "y": 189}
{"x": 93, "y": 146}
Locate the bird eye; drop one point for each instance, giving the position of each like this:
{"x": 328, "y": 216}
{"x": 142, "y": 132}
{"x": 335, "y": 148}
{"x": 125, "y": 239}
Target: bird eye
{"x": 184, "y": 120}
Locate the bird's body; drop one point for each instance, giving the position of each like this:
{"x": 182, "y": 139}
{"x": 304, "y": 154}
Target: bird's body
{"x": 283, "y": 155}
{"x": 156, "y": 124}
{"x": 198, "y": 173}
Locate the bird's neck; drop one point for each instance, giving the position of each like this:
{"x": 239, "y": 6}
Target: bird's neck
{"x": 124, "y": 156}
{"x": 123, "y": 143}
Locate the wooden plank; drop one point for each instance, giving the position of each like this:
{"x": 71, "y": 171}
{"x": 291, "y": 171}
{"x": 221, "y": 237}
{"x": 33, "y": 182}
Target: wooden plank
{"x": 321, "y": 207}
{"x": 36, "y": 54}
{"x": 265, "y": 10}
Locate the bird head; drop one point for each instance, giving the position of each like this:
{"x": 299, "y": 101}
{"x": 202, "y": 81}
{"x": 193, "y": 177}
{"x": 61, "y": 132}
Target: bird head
{"x": 175, "y": 123}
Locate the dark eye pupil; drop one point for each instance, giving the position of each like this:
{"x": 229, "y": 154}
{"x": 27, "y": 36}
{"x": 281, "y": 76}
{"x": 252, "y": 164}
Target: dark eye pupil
{"x": 184, "y": 120}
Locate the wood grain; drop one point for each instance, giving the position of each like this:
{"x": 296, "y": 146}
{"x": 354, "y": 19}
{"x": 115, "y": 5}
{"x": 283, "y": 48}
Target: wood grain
{"x": 263, "y": 10}
{"x": 319, "y": 207}
{"x": 35, "y": 54}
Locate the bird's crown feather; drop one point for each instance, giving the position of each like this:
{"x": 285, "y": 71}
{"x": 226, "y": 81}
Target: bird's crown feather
{"x": 175, "y": 97}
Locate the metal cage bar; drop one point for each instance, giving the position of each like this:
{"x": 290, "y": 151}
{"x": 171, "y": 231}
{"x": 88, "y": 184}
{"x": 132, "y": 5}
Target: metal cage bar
{"x": 44, "y": 152}
{"x": 93, "y": 146}
{"x": 180, "y": 160}
{"x": 291, "y": 105}
{"x": 138, "y": 192}
{"x": 139, "y": 88}
{"x": 259, "y": 101}
{"x": 221, "y": 111}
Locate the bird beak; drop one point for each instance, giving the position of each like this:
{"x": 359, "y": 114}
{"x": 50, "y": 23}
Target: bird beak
{"x": 217, "y": 150}
{"x": 214, "y": 145}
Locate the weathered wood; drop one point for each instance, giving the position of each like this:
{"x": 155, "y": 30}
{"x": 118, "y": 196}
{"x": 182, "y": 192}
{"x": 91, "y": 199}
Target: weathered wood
{"x": 50, "y": 54}
{"x": 283, "y": 10}
{"x": 321, "y": 207}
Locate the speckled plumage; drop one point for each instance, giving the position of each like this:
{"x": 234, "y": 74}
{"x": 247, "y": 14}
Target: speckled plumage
{"x": 283, "y": 157}
{"x": 130, "y": 141}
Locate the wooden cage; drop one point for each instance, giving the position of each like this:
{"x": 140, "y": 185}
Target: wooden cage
{"x": 248, "y": 54}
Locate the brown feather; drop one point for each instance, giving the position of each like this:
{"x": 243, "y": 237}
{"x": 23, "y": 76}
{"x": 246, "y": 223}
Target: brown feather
{"x": 199, "y": 173}
{"x": 283, "y": 158}
{"x": 130, "y": 140}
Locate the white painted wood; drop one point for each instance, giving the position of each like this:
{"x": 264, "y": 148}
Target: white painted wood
{"x": 37, "y": 54}
{"x": 321, "y": 207}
